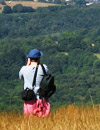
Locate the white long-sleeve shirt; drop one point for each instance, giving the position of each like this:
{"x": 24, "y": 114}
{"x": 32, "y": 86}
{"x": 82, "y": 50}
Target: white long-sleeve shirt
{"x": 27, "y": 73}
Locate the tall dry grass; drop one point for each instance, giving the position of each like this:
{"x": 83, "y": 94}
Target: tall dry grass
{"x": 65, "y": 118}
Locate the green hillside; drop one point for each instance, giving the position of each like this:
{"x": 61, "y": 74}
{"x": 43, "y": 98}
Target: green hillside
{"x": 51, "y": 20}
{"x": 66, "y": 36}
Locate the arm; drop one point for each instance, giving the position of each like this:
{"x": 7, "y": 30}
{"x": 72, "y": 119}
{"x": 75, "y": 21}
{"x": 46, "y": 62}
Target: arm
{"x": 21, "y": 70}
{"x": 21, "y": 73}
{"x": 28, "y": 62}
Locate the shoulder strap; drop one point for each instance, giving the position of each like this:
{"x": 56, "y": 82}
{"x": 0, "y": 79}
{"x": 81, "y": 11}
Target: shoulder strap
{"x": 34, "y": 80}
{"x": 43, "y": 69}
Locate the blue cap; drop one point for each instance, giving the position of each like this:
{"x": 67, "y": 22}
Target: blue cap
{"x": 35, "y": 53}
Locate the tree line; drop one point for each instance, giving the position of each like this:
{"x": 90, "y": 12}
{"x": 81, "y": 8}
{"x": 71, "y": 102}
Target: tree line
{"x": 61, "y": 18}
{"x": 17, "y": 9}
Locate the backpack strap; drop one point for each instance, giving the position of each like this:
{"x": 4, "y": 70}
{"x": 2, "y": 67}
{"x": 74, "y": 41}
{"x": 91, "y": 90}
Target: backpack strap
{"x": 44, "y": 71}
{"x": 34, "y": 80}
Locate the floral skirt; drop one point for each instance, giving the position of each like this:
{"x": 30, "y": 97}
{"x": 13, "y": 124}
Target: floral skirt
{"x": 38, "y": 107}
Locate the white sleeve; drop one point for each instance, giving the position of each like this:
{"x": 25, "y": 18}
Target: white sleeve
{"x": 46, "y": 69}
{"x": 21, "y": 73}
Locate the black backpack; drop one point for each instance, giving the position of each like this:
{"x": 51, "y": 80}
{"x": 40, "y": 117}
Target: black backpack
{"x": 47, "y": 87}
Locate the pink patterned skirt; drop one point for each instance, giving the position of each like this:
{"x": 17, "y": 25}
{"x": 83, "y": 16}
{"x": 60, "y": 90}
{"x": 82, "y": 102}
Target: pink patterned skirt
{"x": 38, "y": 107}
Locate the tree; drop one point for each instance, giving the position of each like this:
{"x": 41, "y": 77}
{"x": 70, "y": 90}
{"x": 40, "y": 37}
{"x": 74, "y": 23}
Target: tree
{"x": 7, "y": 9}
{"x": 28, "y": 9}
{"x": 22, "y": 9}
{"x": 80, "y": 2}
{"x": 18, "y": 8}
{"x": 42, "y": 1}
{"x": 57, "y": 1}
{"x": 2, "y": 2}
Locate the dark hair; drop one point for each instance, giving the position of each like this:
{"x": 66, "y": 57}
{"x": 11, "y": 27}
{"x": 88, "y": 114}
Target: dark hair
{"x": 34, "y": 59}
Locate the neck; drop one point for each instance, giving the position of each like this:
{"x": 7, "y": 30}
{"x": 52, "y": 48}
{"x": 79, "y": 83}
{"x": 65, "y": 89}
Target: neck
{"x": 34, "y": 63}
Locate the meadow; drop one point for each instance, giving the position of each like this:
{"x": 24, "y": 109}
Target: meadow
{"x": 64, "y": 118}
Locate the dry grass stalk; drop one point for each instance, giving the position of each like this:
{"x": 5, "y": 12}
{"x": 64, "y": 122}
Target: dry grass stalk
{"x": 65, "y": 118}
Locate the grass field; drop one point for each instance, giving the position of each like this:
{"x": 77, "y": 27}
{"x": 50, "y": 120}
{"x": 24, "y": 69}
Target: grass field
{"x": 65, "y": 118}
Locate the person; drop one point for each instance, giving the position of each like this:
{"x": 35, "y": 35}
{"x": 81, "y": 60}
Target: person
{"x": 37, "y": 106}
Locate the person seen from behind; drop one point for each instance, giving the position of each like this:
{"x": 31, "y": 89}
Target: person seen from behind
{"x": 37, "y": 106}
